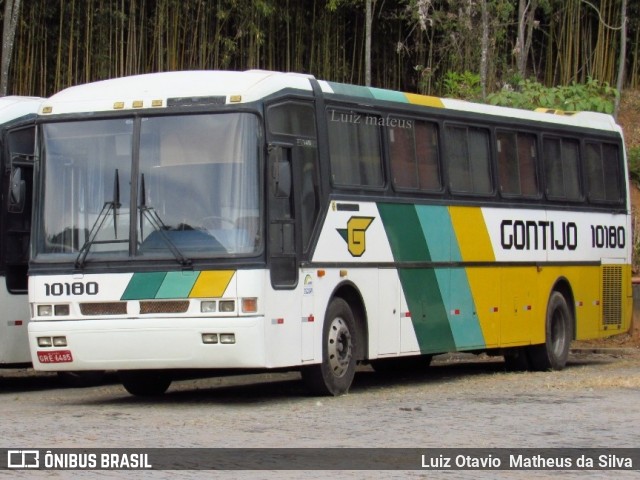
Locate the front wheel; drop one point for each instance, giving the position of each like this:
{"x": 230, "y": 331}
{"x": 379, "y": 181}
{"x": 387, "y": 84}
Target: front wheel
{"x": 334, "y": 375}
{"x": 145, "y": 383}
{"x": 553, "y": 354}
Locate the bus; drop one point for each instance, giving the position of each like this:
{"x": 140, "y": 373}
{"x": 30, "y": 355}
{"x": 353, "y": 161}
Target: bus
{"x": 250, "y": 220}
{"x": 17, "y": 141}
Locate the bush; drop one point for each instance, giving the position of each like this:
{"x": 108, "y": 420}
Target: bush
{"x": 465, "y": 86}
{"x": 633, "y": 158}
{"x": 590, "y": 96}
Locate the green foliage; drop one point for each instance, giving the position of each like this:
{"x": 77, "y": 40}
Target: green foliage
{"x": 465, "y": 86}
{"x": 633, "y": 159}
{"x": 590, "y": 96}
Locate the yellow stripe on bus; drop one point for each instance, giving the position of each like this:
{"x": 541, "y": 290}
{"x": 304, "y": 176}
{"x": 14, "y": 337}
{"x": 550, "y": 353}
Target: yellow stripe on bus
{"x": 425, "y": 100}
{"x": 211, "y": 283}
{"x": 471, "y": 233}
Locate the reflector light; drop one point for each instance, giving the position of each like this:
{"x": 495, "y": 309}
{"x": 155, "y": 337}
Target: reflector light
{"x": 227, "y": 338}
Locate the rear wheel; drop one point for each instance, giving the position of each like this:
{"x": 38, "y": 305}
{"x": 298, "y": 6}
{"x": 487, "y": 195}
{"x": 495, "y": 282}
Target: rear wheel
{"x": 145, "y": 383}
{"x": 334, "y": 375}
{"x": 553, "y": 354}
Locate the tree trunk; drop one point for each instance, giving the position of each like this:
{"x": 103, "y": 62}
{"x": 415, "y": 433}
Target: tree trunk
{"x": 623, "y": 53}
{"x": 367, "y": 43}
{"x": 484, "y": 48}
{"x": 11, "y": 11}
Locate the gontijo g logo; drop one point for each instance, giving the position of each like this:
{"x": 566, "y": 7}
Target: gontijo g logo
{"x": 354, "y": 234}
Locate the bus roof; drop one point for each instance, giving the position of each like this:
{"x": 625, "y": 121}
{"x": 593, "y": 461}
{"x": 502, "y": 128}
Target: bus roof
{"x": 158, "y": 90}
{"x": 14, "y": 107}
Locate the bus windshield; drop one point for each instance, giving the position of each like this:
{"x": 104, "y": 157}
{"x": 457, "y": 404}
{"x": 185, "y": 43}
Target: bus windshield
{"x": 182, "y": 186}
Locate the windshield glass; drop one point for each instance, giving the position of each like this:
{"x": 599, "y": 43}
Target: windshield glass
{"x": 194, "y": 191}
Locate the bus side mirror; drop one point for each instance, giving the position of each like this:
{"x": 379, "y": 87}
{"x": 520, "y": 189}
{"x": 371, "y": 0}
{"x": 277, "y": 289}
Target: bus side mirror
{"x": 17, "y": 191}
{"x": 280, "y": 172}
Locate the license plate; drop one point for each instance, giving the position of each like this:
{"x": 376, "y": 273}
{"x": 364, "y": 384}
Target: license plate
{"x": 59, "y": 356}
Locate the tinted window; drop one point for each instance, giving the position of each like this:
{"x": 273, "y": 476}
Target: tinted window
{"x": 562, "y": 174}
{"x": 413, "y": 148}
{"x": 292, "y": 119}
{"x": 468, "y": 157}
{"x": 603, "y": 172}
{"x": 354, "y": 148}
{"x": 517, "y": 154}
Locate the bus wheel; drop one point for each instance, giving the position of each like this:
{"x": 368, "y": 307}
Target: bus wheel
{"x": 333, "y": 376}
{"x": 553, "y": 354}
{"x": 145, "y": 383}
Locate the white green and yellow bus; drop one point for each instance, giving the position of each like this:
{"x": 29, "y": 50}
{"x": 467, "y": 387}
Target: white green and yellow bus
{"x": 261, "y": 220}
{"x": 17, "y": 140}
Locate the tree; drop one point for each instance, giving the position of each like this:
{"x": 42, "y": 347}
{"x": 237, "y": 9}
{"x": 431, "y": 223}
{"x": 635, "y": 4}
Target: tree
{"x": 526, "y": 22}
{"x": 11, "y": 12}
{"x": 623, "y": 54}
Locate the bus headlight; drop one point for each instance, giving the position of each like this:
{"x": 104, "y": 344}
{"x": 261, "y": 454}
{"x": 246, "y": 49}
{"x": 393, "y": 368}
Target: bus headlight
{"x": 61, "y": 310}
{"x": 208, "y": 306}
{"x": 227, "y": 306}
{"x": 45, "y": 310}
{"x": 44, "y": 341}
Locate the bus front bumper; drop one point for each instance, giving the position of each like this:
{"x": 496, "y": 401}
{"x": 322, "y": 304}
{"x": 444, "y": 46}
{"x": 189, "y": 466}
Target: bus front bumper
{"x": 126, "y": 344}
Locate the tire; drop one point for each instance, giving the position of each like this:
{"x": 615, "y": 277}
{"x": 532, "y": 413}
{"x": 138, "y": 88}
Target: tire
{"x": 81, "y": 379}
{"x": 553, "y": 354}
{"x": 334, "y": 375}
{"x": 145, "y": 383}
{"x": 412, "y": 364}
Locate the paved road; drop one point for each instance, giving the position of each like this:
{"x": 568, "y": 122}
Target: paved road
{"x": 462, "y": 401}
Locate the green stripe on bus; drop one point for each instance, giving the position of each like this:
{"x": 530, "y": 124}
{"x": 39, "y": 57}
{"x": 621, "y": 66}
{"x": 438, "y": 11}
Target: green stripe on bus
{"x": 390, "y": 95}
{"x": 177, "y": 284}
{"x": 454, "y": 285}
{"x": 420, "y": 285}
{"x": 143, "y": 286}
{"x": 351, "y": 90}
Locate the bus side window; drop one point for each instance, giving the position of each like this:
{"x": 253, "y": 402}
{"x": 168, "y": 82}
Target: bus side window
{"x": 355, "y": 149}
{"x": 413, "y": 150}
{"x": 402, "y": 152}
{"x": 602, "y": 164}
{"x": 516, "y": 164}
{"x": 562, "y": 174}
{"x": 468, "y": 155}
{"x": 427, "y": 152}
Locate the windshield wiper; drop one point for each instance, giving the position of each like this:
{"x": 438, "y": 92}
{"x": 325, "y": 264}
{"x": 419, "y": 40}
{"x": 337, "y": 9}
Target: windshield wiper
{"x": 159, "y": 226}
{"x": 108, "y": 207}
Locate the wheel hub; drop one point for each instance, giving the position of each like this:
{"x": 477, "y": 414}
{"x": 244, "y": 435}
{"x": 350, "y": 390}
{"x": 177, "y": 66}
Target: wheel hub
{"x": 339, "y": 347}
